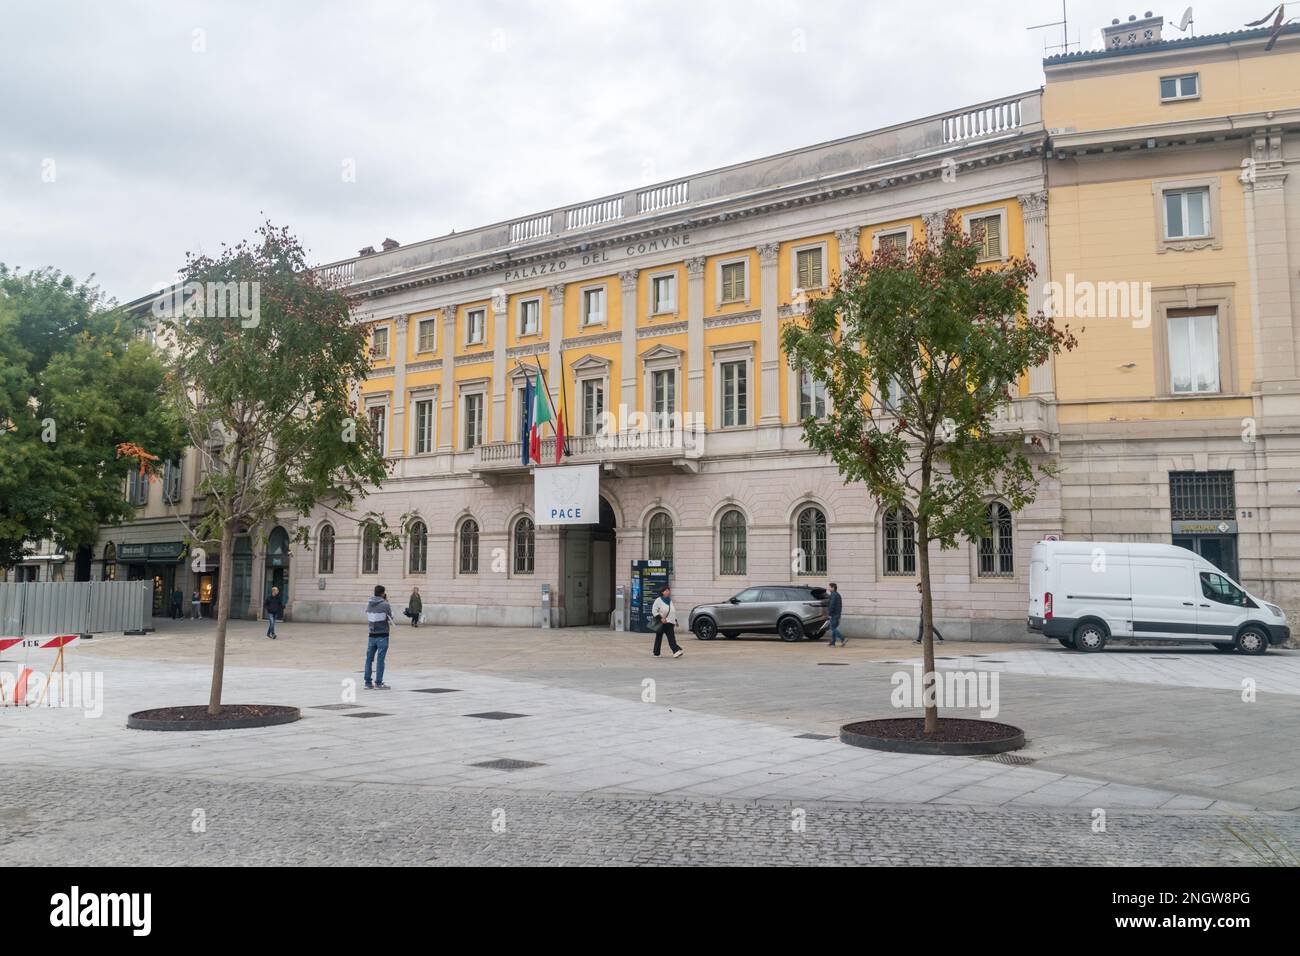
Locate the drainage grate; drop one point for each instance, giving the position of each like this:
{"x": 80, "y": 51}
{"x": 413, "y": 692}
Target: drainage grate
{"x": 368, "y": 713}
{"x": 813, "y": 737}
{"x": 832, "y": 664}
{"x": 334, "y": 707}
{"x": 1015, "y": 760}
{"x": 437, "y": 690}
{"x": 506, "y": 763}
{"x": 496, "y": 715}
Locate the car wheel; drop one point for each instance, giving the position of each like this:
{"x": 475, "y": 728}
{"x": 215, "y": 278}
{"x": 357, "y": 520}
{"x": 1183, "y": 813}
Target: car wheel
{"x": 790, "y": 629}
{"x": 1252, "y": 641}
{"x": 1067, "y": 642}
{"x": 1226, "y": 648}
{"x": 1089, "y": 637}
{"x": 731, "y": 635}
{"x": 706, "y": 629}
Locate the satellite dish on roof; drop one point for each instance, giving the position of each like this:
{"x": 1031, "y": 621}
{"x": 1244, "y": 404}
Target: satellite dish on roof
{"x": 1186, "y": 20}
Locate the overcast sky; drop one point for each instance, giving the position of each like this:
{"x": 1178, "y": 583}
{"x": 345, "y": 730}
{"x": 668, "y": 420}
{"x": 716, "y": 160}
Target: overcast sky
{"x": 133, "y": 132}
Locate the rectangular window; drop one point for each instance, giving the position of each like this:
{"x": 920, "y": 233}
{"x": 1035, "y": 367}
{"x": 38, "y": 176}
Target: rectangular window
{"x": 892, "y": 240}
{"x": 1187, "y": 213}
{"x": 427, "y": 335}
{"x": 808, "y": 268}
{"x": 473, "y": 420}
{"x": 665, "y": 394}
{"x": 735, "y": 394}
{"x": 663, "y": 294}
{"x": 172, "y": 482}
{"x": 137, "y": 488}
{"x": 1184, "y": 87}
{"x": 812, "y": 397}
{"x": 378, "y": 421}
{"x": 423, "y": 426}
{"x": 733, "y": 282}
{"x": 987, "y": 233}
{"x": 593, "y": 405}
{"x": 530, "y": 316}
{"x": 1193, "y": 352}
{"x": 379, "y": 342}
{"x": 1202, "y": 496}
{"x": 475, "y": 326}
{"x": 593, "y": 307}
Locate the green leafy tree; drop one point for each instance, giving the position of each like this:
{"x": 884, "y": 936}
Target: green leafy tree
{"x": 77, "y": 381}
{"x": 263, "y": 376}
{"x": 918, "y": 349}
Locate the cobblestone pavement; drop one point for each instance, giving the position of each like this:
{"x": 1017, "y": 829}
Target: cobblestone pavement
{"x": 76, "y": 818}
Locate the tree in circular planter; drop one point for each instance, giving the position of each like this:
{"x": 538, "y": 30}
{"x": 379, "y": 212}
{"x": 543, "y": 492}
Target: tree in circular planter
{"x": 920, "y": 348}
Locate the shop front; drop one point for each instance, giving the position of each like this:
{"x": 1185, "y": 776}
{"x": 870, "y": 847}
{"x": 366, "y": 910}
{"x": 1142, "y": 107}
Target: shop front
{"x": 158, "y": 562}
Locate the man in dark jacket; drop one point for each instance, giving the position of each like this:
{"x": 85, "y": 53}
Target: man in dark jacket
{"x": 379, "y": 614}
{"x": 274, "y": 608}
{"x": 835, "y": 610}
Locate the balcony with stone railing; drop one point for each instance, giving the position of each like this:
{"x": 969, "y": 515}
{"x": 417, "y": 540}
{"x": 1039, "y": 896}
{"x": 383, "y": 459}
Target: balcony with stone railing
{"x": 675, "y": 448}
{"x": 1030, "y": 415}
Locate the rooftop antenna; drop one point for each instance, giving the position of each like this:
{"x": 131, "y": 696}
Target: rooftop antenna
{"x": 1187, "y": 21}
{"x": 1064, "y": 24}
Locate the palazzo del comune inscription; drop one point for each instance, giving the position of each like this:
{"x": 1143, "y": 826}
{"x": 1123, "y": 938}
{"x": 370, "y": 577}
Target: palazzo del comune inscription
{"x": 540, "y": 270}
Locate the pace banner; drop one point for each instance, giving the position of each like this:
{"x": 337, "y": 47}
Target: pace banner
{"x": 567, "y": 494}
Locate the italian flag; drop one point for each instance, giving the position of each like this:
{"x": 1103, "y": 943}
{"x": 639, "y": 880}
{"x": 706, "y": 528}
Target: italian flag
{"x": 541, "y": 415}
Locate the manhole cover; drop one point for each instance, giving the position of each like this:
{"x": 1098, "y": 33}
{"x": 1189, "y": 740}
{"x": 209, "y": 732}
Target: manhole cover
{"x": 812, "y": 736}
{"x": 1015, "y": 760}
{"x": 496, "y": 715}
{"x": 334, "y": 707}
{"x": 368, "y": 713}
{"x": 437, "y": 690}
{"x": 506, "y": 763}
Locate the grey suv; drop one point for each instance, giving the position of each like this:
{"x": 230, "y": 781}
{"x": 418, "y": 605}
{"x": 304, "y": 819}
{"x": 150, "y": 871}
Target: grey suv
{"x": 793, "y": 612}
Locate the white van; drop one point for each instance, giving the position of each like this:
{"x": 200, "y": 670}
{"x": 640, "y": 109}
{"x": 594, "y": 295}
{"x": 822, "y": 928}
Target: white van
{"x": 1086, "y": 593}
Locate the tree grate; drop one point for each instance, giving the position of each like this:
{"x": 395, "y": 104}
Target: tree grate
{"x": 1014, "y": 760}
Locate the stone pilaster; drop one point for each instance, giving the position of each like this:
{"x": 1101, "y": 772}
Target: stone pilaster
{"x": 934, "y": 224}
{"x": 555, "y": 296}
{"x": 770, "y": 326}
{"x": 500, "y": 316}
{"x": 397, "y": 440}
{"x": 447, "y": 428}
{"x": 695, "y": 335}
{"x": 1263, "y": 179}
{"x": 848, "y": 240}
{"x": 1033, "y": 210}
{"x": 627, "y": 390}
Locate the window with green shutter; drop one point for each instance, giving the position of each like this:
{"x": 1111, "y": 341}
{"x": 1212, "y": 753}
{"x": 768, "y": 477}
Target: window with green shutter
{"x": 809, "y": 268}
{"x": 987, "y": 233}
{"x": 733, "y": 282}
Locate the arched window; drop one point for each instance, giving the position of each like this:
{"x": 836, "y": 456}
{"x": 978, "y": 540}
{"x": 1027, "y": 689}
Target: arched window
{"x": 995, "y": 553}
{"x": 900, "y": 541}
{"x": 468, "y": 546}
{"x": 732, "y": 544}
{"x": 418, "y": 536}
{"x": 370, "y": 550}
{"x": 325, "y": 550}
{"x": 811, "y": 537}
{"x": 661, "y": 537}
{"x": 278, "y": 541}
{"x": 110, "y": 562}
{"x": 525, "y": 542}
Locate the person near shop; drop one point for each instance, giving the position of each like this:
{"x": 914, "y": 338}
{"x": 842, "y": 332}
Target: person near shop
{"x": 196, "y": 605}
{"x": 178, "y": 604}
{"x": 274, "y": 608}
{"x": 665, "y": 615}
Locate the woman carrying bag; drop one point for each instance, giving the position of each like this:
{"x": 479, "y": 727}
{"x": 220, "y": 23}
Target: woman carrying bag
{"x": 665, "y": 615}
{"x": 413, "y": 607}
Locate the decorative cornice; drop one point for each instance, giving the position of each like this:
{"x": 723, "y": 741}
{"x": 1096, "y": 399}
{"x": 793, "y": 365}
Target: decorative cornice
{"x": 425, "y": 366}
{"x": 473, "y": 358}
{"x": 736, "y": 318}
{"x": 695, "y": 266}
{"x": 519, "y": 351}
{"x": 589, "y": 341}
{"x": 656, "y": 331}
{"x": 388, "y": 372}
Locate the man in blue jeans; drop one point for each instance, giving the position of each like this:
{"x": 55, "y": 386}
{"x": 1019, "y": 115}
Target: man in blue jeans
{"x": 835, "y": 609}
{"x": 379, "y": 614}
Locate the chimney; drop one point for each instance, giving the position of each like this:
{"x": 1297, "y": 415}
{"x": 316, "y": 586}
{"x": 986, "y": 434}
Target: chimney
{"x": 390, "y": 244}
{"x": 367, "y": 251}
{"x": 1133, "y": 32}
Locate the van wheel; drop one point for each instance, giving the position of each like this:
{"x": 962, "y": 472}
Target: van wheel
{"x": 1089, "y": 637}
{"x": 705, "y": 629}
{"x": 1226, "y": 648}
{"x": 790, "y": 629}
{"x": 1252, "y": 641}
{"x": 1067, "y": 642}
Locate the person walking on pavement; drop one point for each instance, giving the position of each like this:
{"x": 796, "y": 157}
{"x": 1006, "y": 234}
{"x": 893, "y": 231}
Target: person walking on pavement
{"x": 178, "y": 601}
{"x": 196, "y": 606}
{"x": 413, "y": 607}
{"x": 274, "y": 608}
{"x": 835, "y": 610}
{"x": 665, "y": 615}
{"x": 379, "y": 614}
{"x": 920, "y": 624}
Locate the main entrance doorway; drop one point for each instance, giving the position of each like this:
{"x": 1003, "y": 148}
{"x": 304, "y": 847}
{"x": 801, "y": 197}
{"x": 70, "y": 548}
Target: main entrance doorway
{"x": 589, "y": 570}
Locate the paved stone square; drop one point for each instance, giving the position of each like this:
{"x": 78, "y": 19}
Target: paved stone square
{"x": 720, "y": 752}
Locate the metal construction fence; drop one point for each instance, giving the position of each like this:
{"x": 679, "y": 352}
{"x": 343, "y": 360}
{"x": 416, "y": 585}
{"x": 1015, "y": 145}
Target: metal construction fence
{"x": 74, "y": 607}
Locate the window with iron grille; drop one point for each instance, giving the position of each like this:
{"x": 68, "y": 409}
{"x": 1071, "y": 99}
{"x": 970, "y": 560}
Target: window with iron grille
{"x": 468, "y": 541}
{"x": 900, "y": 542}
{"x": 732, "y": 544}
{"x": 995, "y": 548}
{"x": 1202, "y": 496}
{"x": 325, "y": 547}
{"x": 525, "y": 545}
{"x": 661, "y": 537}
{"x": 370, "y": 550}
{"x": 419, "y": 547}
{"x": 812, "y": 541}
